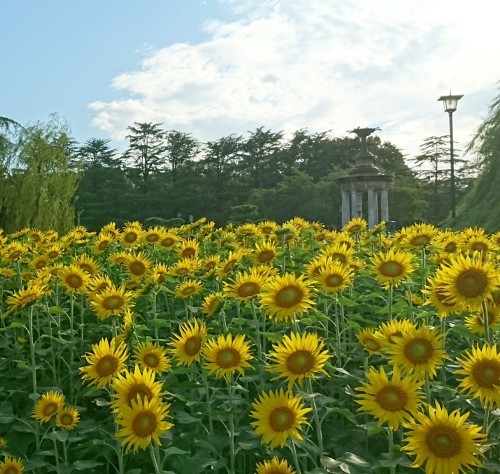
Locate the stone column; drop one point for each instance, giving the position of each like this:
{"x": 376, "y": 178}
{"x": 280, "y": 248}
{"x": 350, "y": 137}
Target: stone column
{"x": 384, "y": 205}
{"x": 346, "y": 208}
{"x": 354, "y": 203}
{"x": 371, "y": 208}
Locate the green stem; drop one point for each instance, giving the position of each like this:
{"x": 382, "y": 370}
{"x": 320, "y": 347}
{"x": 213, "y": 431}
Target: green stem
{"x": 154, "y": 459}
{"x": 257, "y": 329}
{"x": 390, "y": 301}
{"x": 391, "y": 444}
{"x": 56, "y": 452}
{"x": 207, "y": 393}
{"x": 231, "y": 425}
{"x": 337, "y": 334}
{"x": 295, "y": 457}
{"x": 32, "y": 350}
{"x": 317, "y": 422}
{"x": 486, "y": 321}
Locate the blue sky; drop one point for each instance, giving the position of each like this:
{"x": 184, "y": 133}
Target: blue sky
{"x": 216, "y": 67}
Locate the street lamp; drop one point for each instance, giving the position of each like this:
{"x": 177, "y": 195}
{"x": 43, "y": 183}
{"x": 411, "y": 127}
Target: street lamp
{"x": 450, "y": 105}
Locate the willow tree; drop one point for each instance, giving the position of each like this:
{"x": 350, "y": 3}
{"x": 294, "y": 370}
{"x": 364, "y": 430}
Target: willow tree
{"x": 44, "y": 182}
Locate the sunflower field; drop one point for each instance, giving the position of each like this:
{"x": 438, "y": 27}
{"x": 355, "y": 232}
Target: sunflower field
{"x": 258, "y": 348}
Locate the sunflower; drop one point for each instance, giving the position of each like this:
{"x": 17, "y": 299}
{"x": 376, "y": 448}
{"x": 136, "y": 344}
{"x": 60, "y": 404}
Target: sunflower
{"x": 210, "y": 264}
{"x": 388, "y": 332}
{"x": 212, "y": 303}
{"x": 264, "y": 253}
{"x": 247, "y": 230}
{"x": 188, "y": 288}
{"x": 334, "y": 277}
{"x": 39, "y": 262}
{"x": 283, "y": 297}
{"x": 169, "y": 240}
{"x": 370, "y": 340}
{"x": 476, "y": 321}
{"x": 142, "y": 422}
{"x": 355, "y": 225}
{"x": 25, "y": 296}
{"x": 418, "y": 235}
{"x": 315, "y": 265}
{"x": 279, "y": 416}
{"x": 99, "y": 283}
{"x": 443, "y": 441}
{"x": 11, "y": 465}
{"x": 274, "y": 466}
{"x": 478, "y": 243}
{"x": 3, "y": 442}
{"x": 106, "y": 360}
{"x": 153, "y": 235}
{"x": 267, "y": 227}
{"x": 101, "y": 244}
{"x": 467, "y": 280}
{"x": 74, "y": 278}
{"x": 188, "y": 248}
{"x": 187, "y": 346}
{"x": 481, "y": 368}
{"x": 111, "y": 301}
{"x": 439, "y": 299}
{"x": 159, "y": 273}
{"x": 87, "y": 264}
{"x": 226, "y": 355}
{"x": 227, "y": 266}
{"x": 67, "y": 418}
{"x": 298, "y": 356}
{"x": 392, "y": 267}
{"x": 14, "y": 251}
{"x": 390, "y": 401}
{"x": 152, "y": 356}
{"x": 420, "y": 351}
{"x": 132, "y": 233}
{"x": 138, "y": 265}
{"x": 245, "y": 285}
{"x": 186, "y": 266}
{"x": 7, "y": 272}
{"x": 48, "y": 405}
{"x": 343, "y": 252}
{"x": 136, "y": 385}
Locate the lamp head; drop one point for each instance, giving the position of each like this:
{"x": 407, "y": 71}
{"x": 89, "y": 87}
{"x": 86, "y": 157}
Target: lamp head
{"x": 450, "y": 102}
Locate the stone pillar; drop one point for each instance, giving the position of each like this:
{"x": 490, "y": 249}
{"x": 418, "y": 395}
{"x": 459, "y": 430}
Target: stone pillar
{"x": 346, "y": 208}
{"x": 371, "y": 208}
{"x": 384, "y": 205}
{"x": 354, "y": 203}
{"x": 359, "y": 204}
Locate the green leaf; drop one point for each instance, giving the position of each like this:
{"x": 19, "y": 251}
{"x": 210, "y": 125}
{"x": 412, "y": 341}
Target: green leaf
{"x": 83, "y": 465}
{"x": 347, "y": 302}
{"x": 174, "y": 450}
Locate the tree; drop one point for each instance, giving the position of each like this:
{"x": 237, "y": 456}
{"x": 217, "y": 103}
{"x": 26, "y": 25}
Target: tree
{"x": 43, "y": 186}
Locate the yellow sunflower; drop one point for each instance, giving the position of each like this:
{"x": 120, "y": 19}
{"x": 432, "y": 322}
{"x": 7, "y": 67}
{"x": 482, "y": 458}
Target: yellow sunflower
{"x": 283, "y": 297}
{"x": 355, "y": 225}
{"x": 420, "y": 351}
{"x": 267, "y": 227}
{"x": 142, "y": 423}
{"x": 274, "y": 466}
{"x": 11, "y": 465}
{"x": 188, "y": 248}
{"x": 73, "y": 278}
{"x": 388, "y": 332}
{"x": 152, "y": 356}
{"x": 227, "y": 266}
{"x": 418, "y": 235}
{"x": 67, "y": 418}
{"x": 106, "y": 360}
{"x": 138, "y": 265}
{"x": 245, "y": 285}
{"x": 481, "y": 368}
{"x": 14, "y": 251}
{"x": 169, "y": 240}
{"x": 210, "y": 264}
{"x": 392, "y": 267}
{"x": 390, "y": 401}
{"x": 153, "y": 235}
{"x": 343, "y": 252}
{"x": 99, "y": 283}
{"x": 188, "y": 288}
{"x": 3, "y": 442}
{"x": 212, "y": 303}
{"x": 468, "y": 280}
{"x": 25, "y": 296}
{"x": 48, "y": 405}
{"x": 101, "y": 244}
{"x": 443, "y": 441}
{"x": 247, "y": 230}
{"x": 184, "y": 267}
{"x": 39, "y": 262}
{"x": 226, "y": 355}
{"x": 187, "y": 346}
{"x": 438, "y": 297}
{"x": 87, "y": 264}
{"x": 370, "y": 340}
{"x": 476, "y": 321}
{"x": 111, "y": 301}
{"x": 132, "y": 234}
{"x": 279, "y": 416}
{"x": 334, "y": 277}
{"x": 136, "y": 385}
{"x": 264, "y": 253}
{"x": 298, "y": 356}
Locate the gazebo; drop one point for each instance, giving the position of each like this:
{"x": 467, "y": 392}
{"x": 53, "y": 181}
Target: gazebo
{"x": 365, "y": 179}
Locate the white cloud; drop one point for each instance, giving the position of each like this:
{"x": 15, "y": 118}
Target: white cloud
{"x": 291, "y": 64}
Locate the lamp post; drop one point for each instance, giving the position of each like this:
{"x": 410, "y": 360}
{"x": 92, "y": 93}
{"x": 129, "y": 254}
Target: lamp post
{"x": 450, "y": 105}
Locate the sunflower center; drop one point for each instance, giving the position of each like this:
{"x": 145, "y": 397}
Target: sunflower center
{"x": 339, "y": 256}
{"x": 420, "y": 240}
{"x": 289, "y": 296}
{"x": 229, "y": 266}
{"x": 300, "y": 362}
{"x": 372, "y": 345}
{"x": 152, "y": 238}
{"x": 391, "y": 269}
{"x": 188, "y": 252}
{"x": 41, "y": 264}
{"x": 50, "y": 409}
{"x": 247, "y": 289}
{"x": 188, "y": 290}
{"x": 282, "y": 419}
{"x": 66, "y": 420}
{"x": 151, "y": 360}
{"x": 192, "y": 345}
{"x": 113, "y": 302}
{"x": 450, "y": 247}
{"x": 15, "y": 254}
{"x": 392, "y": 398}
{"x": 471, "y": 283}
{"x": 334, "y": 280}
{"x": 443, "y": 441}
{"x": 419, "y": 351}
{"x": 227, "y": 358}
{"x": 486, "y": 373}
{"x": 53, "y": 254}
{"x": 394, "y": 335}
{"x": 167, "y": 242}
{"x": 479, "y": 246}
{"x": 137, "y": 268}
{"x": 130, "y": 237}
{"x": 139, "y": 391}
{"x": 144, "y": 424}
{"x": 106, "y": 366}
{"x": 12, "y": 470}
{"x": 74, "y": 281}
{"x": 102, "y": 245}
{"x": 265, "y": 256}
